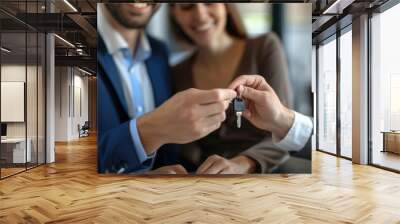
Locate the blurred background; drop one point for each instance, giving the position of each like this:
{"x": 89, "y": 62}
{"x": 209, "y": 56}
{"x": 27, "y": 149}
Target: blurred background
{"x": 291, "y": 22}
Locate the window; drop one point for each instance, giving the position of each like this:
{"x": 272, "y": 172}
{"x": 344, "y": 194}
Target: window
{"x": 346, "y": 94}
{"x": 385, "y": 89}
{"x": 327, "y": 97}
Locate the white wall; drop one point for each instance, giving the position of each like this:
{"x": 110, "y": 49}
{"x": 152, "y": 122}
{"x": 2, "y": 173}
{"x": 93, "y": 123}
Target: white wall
{"x": 71, "y": 94}
{"x": 12, "y": 73}
{"x": 62, "y": 81}
{"x": 79, "y": 117}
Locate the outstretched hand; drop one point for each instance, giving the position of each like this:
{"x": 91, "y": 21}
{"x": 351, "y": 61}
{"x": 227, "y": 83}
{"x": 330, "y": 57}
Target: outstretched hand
{"x": 264, "y": 109}
{"x": 173, "y": 169}
{"x": 185, "y": 117}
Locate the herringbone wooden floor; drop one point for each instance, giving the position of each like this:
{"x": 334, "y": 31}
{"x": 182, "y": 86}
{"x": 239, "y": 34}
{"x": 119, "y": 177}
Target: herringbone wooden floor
{"x": 70, "y": 191}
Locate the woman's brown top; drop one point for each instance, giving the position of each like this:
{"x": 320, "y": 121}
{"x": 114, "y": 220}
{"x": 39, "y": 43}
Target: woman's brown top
{"x": 263, "y": 56}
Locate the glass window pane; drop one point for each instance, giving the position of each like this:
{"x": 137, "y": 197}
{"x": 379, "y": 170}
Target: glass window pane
{"x": 327, "y": 97}
{"x": 386, "y": 89}
{"x": 346, "y": 94}
{"x": 31, "y": 97}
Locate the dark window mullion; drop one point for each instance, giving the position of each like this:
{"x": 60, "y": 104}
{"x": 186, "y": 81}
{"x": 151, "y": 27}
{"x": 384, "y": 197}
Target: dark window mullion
{"x": 317, "y": 97}
{"x": 369, "y": 77}
{"x": 338, "y": 95}
{"x": 37, "y": 90}
{"x": 26, "y": 86}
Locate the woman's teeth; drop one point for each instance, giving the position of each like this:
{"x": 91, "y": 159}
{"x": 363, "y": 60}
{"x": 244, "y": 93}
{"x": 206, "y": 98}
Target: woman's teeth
{"x": 204, "y": 27}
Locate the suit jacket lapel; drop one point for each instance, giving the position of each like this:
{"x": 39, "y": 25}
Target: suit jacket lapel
{"x": 151, "y": 65}
{"x": 158, "y": 71}
{"x": 111, "y": 72}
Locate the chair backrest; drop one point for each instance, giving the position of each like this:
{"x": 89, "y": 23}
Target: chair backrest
{"x": 86, "y": 125}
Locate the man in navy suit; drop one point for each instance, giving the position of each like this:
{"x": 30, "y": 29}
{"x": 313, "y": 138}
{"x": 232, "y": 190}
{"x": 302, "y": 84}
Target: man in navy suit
{"x": 138, "y": 119}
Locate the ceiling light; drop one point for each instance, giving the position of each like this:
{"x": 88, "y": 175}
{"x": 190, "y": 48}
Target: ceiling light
{"x": 338, "y": 6}
{"x": 84, "y": 71}
{"x": 5, "y": 50}
{"x": 70, "y": 5}
{"x": 79, "y": 51}
{"x": 329, "y": 9}
{"x": 65, "y": 41}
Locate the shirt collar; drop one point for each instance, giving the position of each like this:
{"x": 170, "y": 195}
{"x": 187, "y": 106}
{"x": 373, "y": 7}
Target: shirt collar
{"x": 115, "y": 42}
{"x": 143, "y": 50}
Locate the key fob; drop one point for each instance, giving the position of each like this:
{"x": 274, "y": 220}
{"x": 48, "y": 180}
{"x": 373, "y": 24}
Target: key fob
{"x": 239, "y": 105}
{"x": 238, "y": 108}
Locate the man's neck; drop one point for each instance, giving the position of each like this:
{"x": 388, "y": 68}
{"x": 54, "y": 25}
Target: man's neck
{"x": 130, "y": 35}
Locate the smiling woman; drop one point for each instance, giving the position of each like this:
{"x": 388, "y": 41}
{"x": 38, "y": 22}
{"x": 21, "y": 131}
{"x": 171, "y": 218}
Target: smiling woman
{"x": 221, "y": 54}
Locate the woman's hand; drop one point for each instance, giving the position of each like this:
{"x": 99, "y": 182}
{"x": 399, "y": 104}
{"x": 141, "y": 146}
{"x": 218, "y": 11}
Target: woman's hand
{"x": 219, "y": 165}
{"x": 173, "y": 169}
{"x": 264, "y": 109}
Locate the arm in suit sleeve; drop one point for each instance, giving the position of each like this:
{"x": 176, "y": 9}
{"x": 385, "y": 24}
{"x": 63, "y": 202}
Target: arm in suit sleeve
{"x": 122, "y": 152}
{"x": 270, "y": 154}
{"x": 298, "y": 135}
{"x": 119, "y": 146}
{"x": 272, "y": 65}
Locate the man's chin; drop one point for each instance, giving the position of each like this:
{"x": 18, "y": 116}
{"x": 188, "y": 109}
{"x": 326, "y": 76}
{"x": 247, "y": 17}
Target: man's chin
{"x": 130, "y": 19}
{"x": 138, "y": 23}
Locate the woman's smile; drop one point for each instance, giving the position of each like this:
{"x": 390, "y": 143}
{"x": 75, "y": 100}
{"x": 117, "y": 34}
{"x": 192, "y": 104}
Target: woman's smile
{"x": 203, "y": 27}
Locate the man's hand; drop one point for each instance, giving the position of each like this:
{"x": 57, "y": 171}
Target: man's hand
{"x": 187, "y": 116}
{"x": 264, "y": 109}
{"x": 173, "y": 169}
{"x": 219, "y": 165}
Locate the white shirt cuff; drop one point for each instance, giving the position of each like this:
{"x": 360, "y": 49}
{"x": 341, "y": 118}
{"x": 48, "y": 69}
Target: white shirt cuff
{"x": 140, "y": 152}
{"x": 298, "y": 135}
